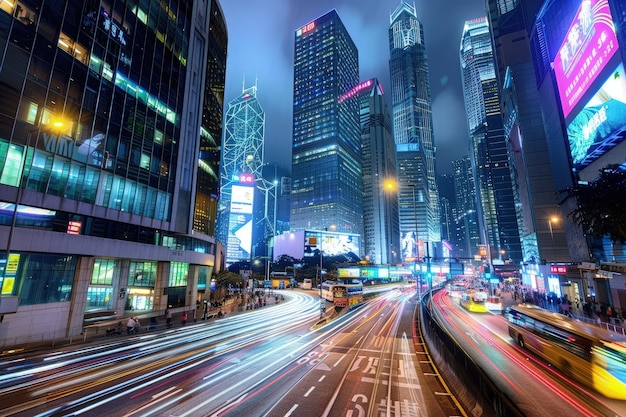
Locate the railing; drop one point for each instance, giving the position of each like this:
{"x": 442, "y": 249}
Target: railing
{"x": 470, "y": 378}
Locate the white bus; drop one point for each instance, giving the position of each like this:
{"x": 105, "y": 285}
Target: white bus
{"x": 307, "y": 284}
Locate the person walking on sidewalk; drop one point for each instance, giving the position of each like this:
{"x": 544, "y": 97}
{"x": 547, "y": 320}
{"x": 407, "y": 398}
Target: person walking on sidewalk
{"x": 168, "y": 316}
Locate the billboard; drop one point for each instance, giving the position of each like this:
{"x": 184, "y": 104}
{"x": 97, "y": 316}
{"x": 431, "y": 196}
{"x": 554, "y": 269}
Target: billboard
{"x": 330, "y": 243}
{"x": 586, "y": 50}
{"x": 600, "y": 124}
{"x": 305, "y": 243}
{"x": 240, "y": 223}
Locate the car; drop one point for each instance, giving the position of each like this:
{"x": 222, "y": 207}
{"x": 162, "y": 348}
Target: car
{"x": 494, "y": 303}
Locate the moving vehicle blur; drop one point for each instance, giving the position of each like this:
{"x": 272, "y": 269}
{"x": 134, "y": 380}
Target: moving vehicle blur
{"x": 592, "y": 355}
{"x": 474, "y": 301}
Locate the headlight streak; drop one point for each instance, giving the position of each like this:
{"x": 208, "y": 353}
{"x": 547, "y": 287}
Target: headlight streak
{"x": 297, "y": 319}
{"x": 264, "y": 376}
{"x": 555, "y": 388}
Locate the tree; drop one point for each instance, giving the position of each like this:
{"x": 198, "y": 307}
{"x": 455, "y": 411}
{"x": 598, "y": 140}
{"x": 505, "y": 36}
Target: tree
{"x": 601, "y": 207}
{"x": 226, "y": 278}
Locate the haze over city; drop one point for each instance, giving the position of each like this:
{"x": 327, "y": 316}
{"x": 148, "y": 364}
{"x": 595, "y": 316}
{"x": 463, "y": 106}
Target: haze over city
{"x": 260, "y": 51}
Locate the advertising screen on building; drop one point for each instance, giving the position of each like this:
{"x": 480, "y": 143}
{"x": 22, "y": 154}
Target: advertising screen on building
{"x": 601, "y": 124}
{"x": 586, "y": 50}
{"x": 240, "y": 223}
{"x": 331, "y": 244}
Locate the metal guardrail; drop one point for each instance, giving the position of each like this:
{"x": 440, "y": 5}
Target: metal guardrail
{"x": 473, "y": 379}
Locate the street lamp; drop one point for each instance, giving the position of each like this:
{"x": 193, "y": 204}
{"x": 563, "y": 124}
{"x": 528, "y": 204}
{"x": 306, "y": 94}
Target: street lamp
{"x": 322, "y": 301}
{"x": 553, "y": 219}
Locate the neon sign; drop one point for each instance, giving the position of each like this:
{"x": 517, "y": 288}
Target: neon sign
{"x": 307, "y": 28}
{"x": 356, "y": 90}
{"x": 556, "y": 269}
{"x": 588, "y": 46}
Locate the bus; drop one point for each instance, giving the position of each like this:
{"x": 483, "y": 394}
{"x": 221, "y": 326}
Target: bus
{"x": 327, "y": 290}
{"x": 307, "y": 284}
{"x": 474, "y": 301}
{"x": 347, "y": 295}
{"x": 592, "y": 355}
{"x": 456, "y": 290}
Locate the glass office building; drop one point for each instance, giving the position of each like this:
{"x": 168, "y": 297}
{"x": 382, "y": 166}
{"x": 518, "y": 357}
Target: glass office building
{"x": 326, "y": 158}
{"x": 110, "y": 128}
{"x": 381, "y": 224}
{"x": 420, "y": 219}
{"x": 242, "y": 164}
{"x": 489, "y": 152}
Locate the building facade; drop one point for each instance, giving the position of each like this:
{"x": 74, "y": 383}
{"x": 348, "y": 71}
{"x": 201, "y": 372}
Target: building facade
{"x": 464, "y": 212}
{"x": 489, "y": 153}
{"x": 579, "y": 54}
{"x": 413, "y": 132}
{"x": 326, "y": 157}
{"x": 102, "y": 212}
{"x": 381, "y": 223}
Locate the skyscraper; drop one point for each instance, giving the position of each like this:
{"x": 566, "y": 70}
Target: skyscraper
{"x": 489, "y": 153}
{"x": 465, "y": 215}
{"x": 101, "y": 142}
{"x": 381, "y": 230}
{"x": 326, "y": 157}
{"x": 413, "y": 131}
{"x": 510, "y": 24}
{"x": 241, "y": 174}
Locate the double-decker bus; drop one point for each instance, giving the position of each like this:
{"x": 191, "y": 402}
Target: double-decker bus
{"x": 347, "y": 295}
{"x": 590, "y": 354}
{"x": 327, "y": 290}
{"x": 474, "y": 301}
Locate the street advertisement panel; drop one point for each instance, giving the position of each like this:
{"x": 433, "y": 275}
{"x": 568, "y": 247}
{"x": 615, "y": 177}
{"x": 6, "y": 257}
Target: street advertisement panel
{"x": 599, "y": 125}
{"x": 586, "y": 50}
{"x": 240, "y": 223}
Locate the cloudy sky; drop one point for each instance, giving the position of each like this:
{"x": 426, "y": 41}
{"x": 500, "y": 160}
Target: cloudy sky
{"x": 261, "y": 44}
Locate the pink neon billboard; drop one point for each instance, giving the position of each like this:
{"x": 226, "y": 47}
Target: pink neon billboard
{"x": 589, "y": 45}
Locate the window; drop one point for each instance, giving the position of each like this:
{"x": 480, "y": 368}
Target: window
{"x": 46, "y": 278}
{"x": 178, "y": 274}
{"x": 142, "y": 274}
{"x": 103, "y": 270}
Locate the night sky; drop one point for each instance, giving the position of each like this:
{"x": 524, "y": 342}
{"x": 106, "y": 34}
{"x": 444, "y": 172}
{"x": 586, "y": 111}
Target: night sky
{"x": 261, "y": 45}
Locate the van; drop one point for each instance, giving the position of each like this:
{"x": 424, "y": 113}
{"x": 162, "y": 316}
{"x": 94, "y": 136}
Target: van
{"x": 494, "y": 303}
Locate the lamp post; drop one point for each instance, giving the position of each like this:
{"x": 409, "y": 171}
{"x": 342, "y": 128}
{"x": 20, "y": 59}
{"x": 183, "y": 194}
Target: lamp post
{"x": 550, "y": 221}
{"x": 322, "y": 301}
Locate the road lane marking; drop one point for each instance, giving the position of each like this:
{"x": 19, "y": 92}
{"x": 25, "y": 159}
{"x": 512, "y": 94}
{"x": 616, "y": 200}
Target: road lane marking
{"x": 309, "y": 391}
{"x": 291, "y": 410}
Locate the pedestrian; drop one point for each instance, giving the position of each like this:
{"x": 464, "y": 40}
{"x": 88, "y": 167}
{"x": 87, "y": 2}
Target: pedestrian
{"x": 130, "y": 326}
{"x": 184, "y": 318}
{"x": 168, "y": 316}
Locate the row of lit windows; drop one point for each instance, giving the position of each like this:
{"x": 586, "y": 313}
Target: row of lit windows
{"x": 54, "y": 175}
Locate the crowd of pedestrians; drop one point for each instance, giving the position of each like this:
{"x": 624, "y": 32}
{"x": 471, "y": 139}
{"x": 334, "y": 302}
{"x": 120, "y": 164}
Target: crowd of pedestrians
{"x": 590, "y": 309}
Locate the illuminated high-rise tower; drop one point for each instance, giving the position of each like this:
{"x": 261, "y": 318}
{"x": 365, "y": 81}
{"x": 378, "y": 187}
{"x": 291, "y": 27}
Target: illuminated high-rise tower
{"x": 242, "y": 162}
{"x": 490, "y": 160}
{"x": 381, "y": 233}
{"x": 413, "y": 131}
{"x": 326, "y": 156}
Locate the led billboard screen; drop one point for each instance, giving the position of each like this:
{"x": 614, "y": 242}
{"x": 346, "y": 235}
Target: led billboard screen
{"x": 331, "y": 244}
{"x": 600, "y": 124}
{"x": 240, "y": 224}
{"x": 588, "y": 46}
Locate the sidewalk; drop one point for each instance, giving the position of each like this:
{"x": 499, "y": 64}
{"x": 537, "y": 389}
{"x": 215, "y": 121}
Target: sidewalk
{"x": 96, "y": 333}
